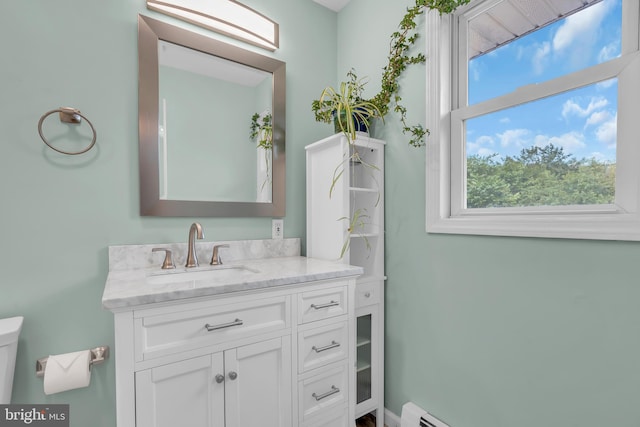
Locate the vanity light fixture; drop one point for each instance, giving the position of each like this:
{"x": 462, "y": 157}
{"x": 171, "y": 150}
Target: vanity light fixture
{"x": 227, "y": 17}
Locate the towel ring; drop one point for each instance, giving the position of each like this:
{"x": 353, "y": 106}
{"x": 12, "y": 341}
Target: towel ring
{"x": 67, "y": 115}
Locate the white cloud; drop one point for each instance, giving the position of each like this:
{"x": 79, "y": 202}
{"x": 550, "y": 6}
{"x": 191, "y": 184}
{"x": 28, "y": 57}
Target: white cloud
{"x": 607, "y": 132}
{"x": 606, "y": 84}
{"x": 581, "y": 26}
{"x": 598, "y": 117}
{"x": 479, "y": 146}
{"x": 541, "y": 140}
{"x": 572, "y": 108}
{"x": 505, "y": 120}
{"x": 609, "y": 52}
{"x": 515, "y": 137}
{"x": 569, "y": 141}
{"x": 486, "y": 140}
{"x": 540, "y": 57}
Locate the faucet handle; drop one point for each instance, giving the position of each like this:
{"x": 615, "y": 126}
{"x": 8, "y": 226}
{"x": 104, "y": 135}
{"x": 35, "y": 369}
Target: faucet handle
{"x": 168, "y": 258}
{"x": 215, "y": 257}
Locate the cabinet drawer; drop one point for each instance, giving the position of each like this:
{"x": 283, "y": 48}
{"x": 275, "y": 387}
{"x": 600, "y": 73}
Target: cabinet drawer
{"x": 322, "y": 304}
{"x": 337, "y": 418}
{"x": 368, "y": 293}
{"x": 321, "y": 346}
{"x": 322, "y": 393}
{"x": 197, "y": 325}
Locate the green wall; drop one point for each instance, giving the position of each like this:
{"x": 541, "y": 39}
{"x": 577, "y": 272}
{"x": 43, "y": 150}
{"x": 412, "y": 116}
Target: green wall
{"x": 488, "y": 331}
{"x": 482, "y": 331}
{"x": 60, "y": 213}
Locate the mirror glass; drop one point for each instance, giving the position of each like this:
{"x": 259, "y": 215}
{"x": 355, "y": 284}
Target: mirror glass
{"x": 197, "y": 102}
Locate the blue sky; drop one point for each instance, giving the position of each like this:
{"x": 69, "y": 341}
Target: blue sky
{"x": 583, "y": 121}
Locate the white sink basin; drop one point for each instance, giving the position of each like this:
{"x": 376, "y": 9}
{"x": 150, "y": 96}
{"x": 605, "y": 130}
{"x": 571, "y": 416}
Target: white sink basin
{"x": 224, "y": 274}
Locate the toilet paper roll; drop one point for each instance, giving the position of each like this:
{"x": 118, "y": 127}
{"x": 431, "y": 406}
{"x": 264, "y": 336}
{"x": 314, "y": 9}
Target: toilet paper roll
{"x": 67, "y": 371}
{"x": 411, "y": 414}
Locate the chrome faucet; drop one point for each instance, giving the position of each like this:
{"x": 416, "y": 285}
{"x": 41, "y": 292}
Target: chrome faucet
{"x": 192, "y": 259}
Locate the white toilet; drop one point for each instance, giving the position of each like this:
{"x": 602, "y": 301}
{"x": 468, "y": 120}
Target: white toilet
{"x": 9, "y": 332}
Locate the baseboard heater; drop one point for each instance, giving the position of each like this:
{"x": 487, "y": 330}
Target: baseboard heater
{"x": 424, "y": 422}
{"x": 415, "y": 416}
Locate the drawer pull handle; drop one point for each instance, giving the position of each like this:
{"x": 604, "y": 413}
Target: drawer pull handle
{"x": 367, "y": 294}
{"x": 236, "y": 322}
{"x": 326, "y": 347}
{"x": 333, "y": 390}
{"x": 327, "y": 305}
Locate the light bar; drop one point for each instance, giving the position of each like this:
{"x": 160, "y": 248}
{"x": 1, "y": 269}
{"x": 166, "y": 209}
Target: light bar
{"x": 227, "y": 17}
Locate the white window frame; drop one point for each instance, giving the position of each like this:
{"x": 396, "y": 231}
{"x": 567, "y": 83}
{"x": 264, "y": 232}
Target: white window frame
{"x": 446, "y": 158}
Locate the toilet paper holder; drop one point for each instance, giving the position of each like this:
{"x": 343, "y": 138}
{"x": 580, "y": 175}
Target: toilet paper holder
{"x": 98, "y": 355}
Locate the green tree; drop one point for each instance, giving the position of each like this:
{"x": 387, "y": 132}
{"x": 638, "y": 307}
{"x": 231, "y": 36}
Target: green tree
{"x": 591, "y": 183}
{"x": 538, "y": 176}
{"x": 486, "y": 188}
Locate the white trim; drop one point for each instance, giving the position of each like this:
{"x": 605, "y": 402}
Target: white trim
{"x": 619, "y": 222}
{"x": 438, "y": 107}
{"x": 536, "y": 91}
{"x": 391, "y": 419}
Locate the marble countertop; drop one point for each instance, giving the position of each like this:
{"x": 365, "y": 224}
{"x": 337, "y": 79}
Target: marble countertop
{"x": 129, "y": 288}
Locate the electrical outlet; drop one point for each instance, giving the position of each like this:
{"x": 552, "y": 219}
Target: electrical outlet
{"x": 277, "y": 228}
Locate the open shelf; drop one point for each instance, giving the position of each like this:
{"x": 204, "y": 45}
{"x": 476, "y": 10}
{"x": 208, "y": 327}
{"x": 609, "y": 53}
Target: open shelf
{"x": 367, "y": 173}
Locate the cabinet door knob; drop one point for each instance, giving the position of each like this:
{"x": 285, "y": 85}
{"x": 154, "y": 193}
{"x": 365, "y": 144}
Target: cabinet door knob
{"x": 219, "y": 378}
{"x": 233, "y": 375}
{"x": 367, "y": 294}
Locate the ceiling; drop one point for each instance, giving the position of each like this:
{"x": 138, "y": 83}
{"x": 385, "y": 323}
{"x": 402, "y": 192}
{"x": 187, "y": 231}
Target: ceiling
{"x": 335, "y": 5}
{"x": 511, "y": 19}
{"x": 506, "y": 20}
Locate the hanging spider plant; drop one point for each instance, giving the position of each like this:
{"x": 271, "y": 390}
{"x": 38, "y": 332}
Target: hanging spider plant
{"x": 346, "y": 107}
{"x": 354, "y": 159}
{"x": 357, "y": 223}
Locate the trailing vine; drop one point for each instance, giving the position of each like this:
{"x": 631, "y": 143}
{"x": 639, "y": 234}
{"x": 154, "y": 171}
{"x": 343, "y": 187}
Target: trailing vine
{"x": 399, "y": 59}
{"x": 262, "y": 129}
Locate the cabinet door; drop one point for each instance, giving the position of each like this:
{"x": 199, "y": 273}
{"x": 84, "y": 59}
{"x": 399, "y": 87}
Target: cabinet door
{"x": 184, "y": 393}
{"x": 258, "y": 384}
{"x": 368, "y": 366}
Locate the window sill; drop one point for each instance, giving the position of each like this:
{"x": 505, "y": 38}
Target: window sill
{"x": 606, "y": 226}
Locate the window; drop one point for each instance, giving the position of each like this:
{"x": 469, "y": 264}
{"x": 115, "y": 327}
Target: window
{"x": 534, "y": 112}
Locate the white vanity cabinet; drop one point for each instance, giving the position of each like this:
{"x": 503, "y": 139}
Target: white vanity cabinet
{"x": 280, "y": 356}
{"x": 216, "y": 389}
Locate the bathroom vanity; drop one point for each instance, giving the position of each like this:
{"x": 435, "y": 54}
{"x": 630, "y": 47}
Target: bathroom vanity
{"x": 266, "y": 341}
